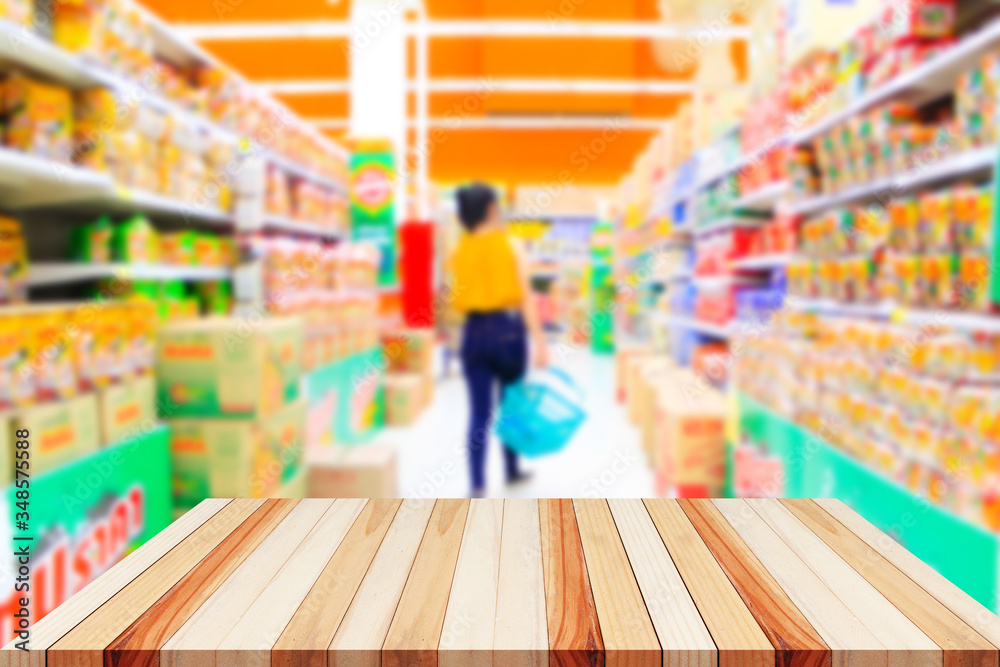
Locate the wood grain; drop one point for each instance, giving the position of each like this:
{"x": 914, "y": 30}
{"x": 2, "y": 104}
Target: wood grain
{"x": 852, "y": 644}
{"x": 250, "y": 641}
{"x": 573, "y": 628}
{"x": 683, "y": 635}
{"x": 629, "y": 637}
{"x": 520, "y": 636}
{"x": 963, "y": 647}
{"x": 359, "y": 639}
{"x": 83, "y": 646}
{"x": 796, "y": 642}
{"x": 981, "y": 619}
{"x": 308, "y": 634}
{"x": 907, "y": 645}
{"x": 737, "y": 635}
{"x": 467, "y": 635}
{"x": 205, "y": 629}
{"x": 47, "y": 631}
{"x": 139, "y": 644}
{"x": 415, "y": 632}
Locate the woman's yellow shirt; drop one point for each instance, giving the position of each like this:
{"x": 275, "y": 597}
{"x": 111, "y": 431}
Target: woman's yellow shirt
{"x": 486, "y": 272}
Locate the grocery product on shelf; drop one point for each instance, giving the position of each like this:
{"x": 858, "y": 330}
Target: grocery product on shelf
{"x": 38, "y": 118}
{"x": 13, "y": 262}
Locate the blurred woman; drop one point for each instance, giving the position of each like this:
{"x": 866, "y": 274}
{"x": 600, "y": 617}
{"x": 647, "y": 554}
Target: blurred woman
{"x": 491, "y": 290}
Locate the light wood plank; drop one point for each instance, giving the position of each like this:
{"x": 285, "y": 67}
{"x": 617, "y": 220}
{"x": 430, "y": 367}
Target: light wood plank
{"x": 195, "y": 642}
{"x": 683, "y": 634}
{"x": 738, "y": 636}
{"x": 907, "y": 645}
{"x": 521, "y": 638}
{"x": 981, "y": 619}
{"x": 250, "y": 641}
{"x": 139, "y": 644}
{"x": 415, "y": 632}
{"x": 963, "y": 647}
{"x": 358, "y": 642}
{"x": 83, "y": 646}
{"x": 852, "y": 643}
{"x": 467, "y": 636}
{"x": 47, "y": 631}
{"x": 574, "y": 632}
{"x": 628, "y": 633}
{"x": 307, "y": 636}
{"x": 796, "y": 641}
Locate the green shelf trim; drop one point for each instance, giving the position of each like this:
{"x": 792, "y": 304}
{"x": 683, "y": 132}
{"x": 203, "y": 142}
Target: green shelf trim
{"x": 966, "y": 554}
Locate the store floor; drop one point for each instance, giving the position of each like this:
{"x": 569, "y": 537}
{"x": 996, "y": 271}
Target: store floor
{"x": 604, "y": 459}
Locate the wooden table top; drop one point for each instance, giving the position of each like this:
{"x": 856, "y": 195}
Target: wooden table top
{"x": 360, "y": 583}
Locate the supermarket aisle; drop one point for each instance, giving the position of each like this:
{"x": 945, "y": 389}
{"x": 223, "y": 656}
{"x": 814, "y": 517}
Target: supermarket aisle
{"x": 605, "y": 458}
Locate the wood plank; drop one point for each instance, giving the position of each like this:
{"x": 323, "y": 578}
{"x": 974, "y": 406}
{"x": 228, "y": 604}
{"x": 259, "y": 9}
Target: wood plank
{"x": 683, "y": 634}
{"x": 628, "y": 632}
{"x": 83, "y": 646}
{"x": 963, "y": 647}
{"x": 738, "y": 636}
{"x": 415, "y": 632}
{"x": 47, "y": 631}
{"x": 250, "y": 641}
{"x": 521, "y": 637}
{"x": 852, "y": 643}
{"x": 467, "y": 635}
{"x": 308, "y": 634}
{"x": 209, "y": 625}
{"x": 359, "y": 640}
{"x": 908, "y": 646}
{"x": 981, "y": 619}
{"x": 573, "y": 629}
{"x": 796, "y": 642}
{"x": 139, "y": 645}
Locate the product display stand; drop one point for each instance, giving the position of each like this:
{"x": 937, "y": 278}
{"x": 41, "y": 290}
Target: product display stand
{"x": 459, "y": 582}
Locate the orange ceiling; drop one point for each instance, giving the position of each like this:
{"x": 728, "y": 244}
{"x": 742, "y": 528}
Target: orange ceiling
{"x": 506, "y": 155}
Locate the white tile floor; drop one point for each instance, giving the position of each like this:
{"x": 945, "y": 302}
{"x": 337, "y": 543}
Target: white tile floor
{"x": 603, "y": 460}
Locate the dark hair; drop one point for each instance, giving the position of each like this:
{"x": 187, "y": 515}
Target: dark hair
{"x": 474, "y": 203}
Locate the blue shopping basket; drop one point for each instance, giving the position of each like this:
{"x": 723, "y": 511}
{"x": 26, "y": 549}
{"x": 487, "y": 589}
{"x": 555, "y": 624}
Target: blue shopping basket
{"x": 539, "y": 415}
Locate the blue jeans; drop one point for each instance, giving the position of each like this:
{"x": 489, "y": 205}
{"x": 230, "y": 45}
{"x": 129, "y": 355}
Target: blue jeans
{"x": 494, "y": 355}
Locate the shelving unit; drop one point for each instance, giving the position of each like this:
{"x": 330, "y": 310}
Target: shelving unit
{"x": 283, "y": 224}
{"x": 42, "y": 274}
{"x": 707, "y": 328}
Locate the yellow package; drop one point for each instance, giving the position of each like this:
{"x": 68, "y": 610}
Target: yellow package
{"x": 110, "y": 348}
{"x": 77, "y": 26}
{"x": 17, "y": 381}
{"x": 52, "y": 355}
{"x": 39, "y": 118}
{"x": 13, "y": 262}
{"x": 141, "y": 339}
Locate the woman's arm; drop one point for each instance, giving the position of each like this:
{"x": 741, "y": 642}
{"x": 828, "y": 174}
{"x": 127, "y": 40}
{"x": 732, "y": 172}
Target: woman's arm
{"x": 539, "y": 346}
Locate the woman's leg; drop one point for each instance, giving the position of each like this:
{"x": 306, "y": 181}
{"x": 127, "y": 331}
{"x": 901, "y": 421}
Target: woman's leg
{"x": 479, "y": 380}
{"x": 512, "y": 369}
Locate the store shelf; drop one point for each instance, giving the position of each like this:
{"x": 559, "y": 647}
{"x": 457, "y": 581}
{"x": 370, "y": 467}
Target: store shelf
{"x": 284, "y": 224}
{"x": 301, "y": 171}
{"x": 763, "y": 262}
{"x": 731, "y": 222}
{"x": 952, "y": 320}
{"x": 41, "y": 274}
{"x": 933, "y": 79}
{"x": 965, "y": 165}
{"x": 762, "y": 199}
{"x": 706, "y": 328}
{"x": 829, "y": 307}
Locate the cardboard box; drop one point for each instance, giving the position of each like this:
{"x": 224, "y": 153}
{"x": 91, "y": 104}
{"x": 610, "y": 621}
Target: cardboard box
{"x": 228, "y": 367}
{"x": 650, "y": 384}
{"x": 125, "y": 408}
{"x": 353, "y": 472}
{"x": 690, "y": 448}
{"x": 404, "y": 398}
{"x": 635, "y": 367}
{"x": 409, "y": 350}
{"x": 60, "y": 432}
{"x": 295, "y": 487}
{"x": 239, "y": 458}
{"x": 622, "y": 357}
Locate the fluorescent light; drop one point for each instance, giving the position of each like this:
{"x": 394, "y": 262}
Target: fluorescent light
{"x": 578, "y": 86}
{"x": 519, "y": 122}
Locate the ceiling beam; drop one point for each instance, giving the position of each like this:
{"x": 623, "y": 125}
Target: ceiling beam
{"x": 543, "y": 122}
{"x": 488, "y": 85}
{"x": 477, "y": 28}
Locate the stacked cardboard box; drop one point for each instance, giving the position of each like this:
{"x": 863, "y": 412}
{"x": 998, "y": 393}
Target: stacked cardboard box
{"x": 409, "y": 383}
{"x": 352, "y": 472}
{"x": 626, "y": 358}
{"x": 230, "y": 393}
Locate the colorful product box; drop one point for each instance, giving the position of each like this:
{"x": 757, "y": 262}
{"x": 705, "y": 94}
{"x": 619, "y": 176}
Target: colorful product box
{"x": 236, "y": 458}
{"x": 228, "y": 367}
{"x": 60, "y": 431}
{"x": 404, "y": 398}
{"x": 409, "y": 350}
{"x": 126, "y": 408}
